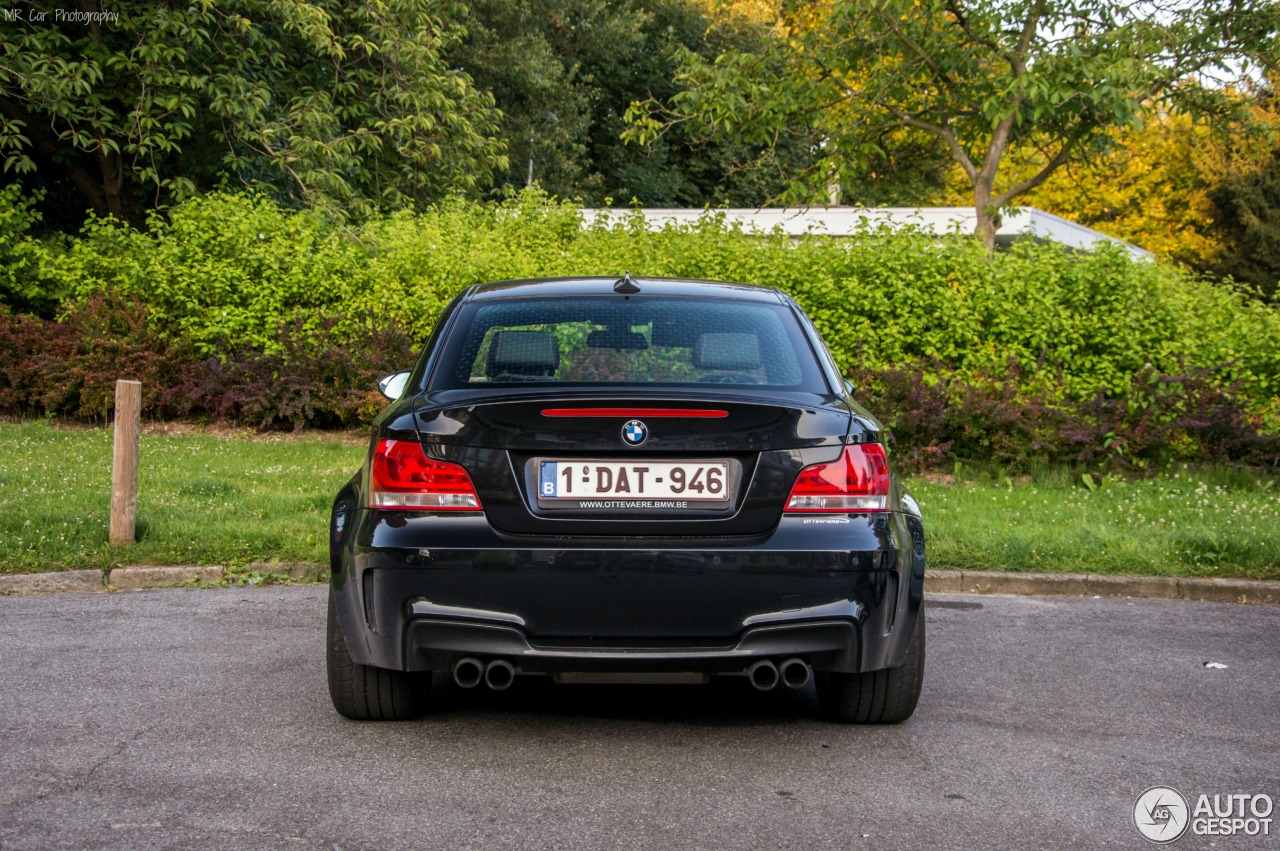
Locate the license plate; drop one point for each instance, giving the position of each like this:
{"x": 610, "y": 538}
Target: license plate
{"x": 633, "y": 484}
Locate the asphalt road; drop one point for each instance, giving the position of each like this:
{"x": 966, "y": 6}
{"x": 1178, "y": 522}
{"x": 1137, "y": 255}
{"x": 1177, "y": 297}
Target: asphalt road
{"x": 200, "y": 719}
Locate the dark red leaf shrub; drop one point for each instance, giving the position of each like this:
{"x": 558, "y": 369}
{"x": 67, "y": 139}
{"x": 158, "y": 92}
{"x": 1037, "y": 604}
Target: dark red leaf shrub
{"x": 27, "y": 346}
{"x": 313, "y": 382}
{"x": 111, "y": 338}
{"x": 1163, "y": 418}
{"x": 915, "y": 410}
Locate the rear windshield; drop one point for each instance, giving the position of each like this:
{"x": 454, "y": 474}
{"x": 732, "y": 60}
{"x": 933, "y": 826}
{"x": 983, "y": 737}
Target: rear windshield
{"x": 637, "y": 340}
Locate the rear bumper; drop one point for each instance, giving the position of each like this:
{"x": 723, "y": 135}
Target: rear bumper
{"x": 434, "y": 644}
{"x": 420, "y": 592}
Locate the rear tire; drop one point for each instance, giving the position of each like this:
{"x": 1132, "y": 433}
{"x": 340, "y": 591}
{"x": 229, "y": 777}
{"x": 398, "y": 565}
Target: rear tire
{"x": 887, "y": 696}
{"x": 366, "y": 693}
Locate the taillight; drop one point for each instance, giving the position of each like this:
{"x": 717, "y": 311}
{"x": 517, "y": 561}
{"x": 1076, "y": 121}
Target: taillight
{"x": 405, "y": 478}
{"x": 857, "y": 481}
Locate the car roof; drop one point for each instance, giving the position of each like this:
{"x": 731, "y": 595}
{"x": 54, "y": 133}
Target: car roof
{"x": 574, "y": 286}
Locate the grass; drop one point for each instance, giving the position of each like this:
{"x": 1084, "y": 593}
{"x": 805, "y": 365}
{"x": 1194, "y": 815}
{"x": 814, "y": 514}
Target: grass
{"x": 231, "y": 499}
{"x": 1207, "y": 522}
{"x": 202, "y": 498}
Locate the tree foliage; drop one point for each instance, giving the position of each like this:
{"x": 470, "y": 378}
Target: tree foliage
{"x": 1201, "y": 193}
{"x": 564, "y": 72}
{"x": 1151, "y": 188}
{"x": 978, "y": 76}
{"x": 1248, "y": 209}
{"x": 1244, "y": 198}
{"x": 23, "y": 258}
{"x": 345, "y": 106}
{"x": 537, "y": 58}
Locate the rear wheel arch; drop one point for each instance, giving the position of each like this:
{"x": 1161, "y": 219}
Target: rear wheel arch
{"x": 364, "y": 692}
{"x": 886, "y": 696}
{"x": 341, "y": 523}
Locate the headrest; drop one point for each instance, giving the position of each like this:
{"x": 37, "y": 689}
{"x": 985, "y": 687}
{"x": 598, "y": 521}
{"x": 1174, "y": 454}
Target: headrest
{"x": 739, "y": 352}
{"x": 522, "y": 353}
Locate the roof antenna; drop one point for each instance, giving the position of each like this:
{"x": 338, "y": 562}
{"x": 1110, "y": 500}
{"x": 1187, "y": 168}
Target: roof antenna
{"x": 625, "y": 285}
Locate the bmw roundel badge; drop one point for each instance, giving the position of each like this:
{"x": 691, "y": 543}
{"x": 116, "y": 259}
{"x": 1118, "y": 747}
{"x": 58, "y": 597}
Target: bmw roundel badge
{"x": 634, "y": 433}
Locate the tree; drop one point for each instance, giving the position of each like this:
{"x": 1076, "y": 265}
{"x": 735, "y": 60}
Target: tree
{"x": 979, "y": 76}
{"x": 685, "y": 169}
{"x": 1248, "y": 211}
{"x": 564, "y": 72}
{"x": 1151, "y": 188}
{"x": 538, "y": 58}
{"x": 1244, "y": 197}
{"x": 1200, "y": 193}
{"x": 347, "y": 106}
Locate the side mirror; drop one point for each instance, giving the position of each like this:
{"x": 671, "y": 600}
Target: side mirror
{"x": 393, "y": 385}
{"x": 848, "y": 386}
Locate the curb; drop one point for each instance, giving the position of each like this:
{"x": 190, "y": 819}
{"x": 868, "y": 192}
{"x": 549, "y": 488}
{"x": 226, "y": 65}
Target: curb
{"x": 52, "y": 583}
{"x": 148, "y": 576}
{"x": 139, "y": 577}
{"x": 1249, "y": 591}
{"x": 144, "y": 576}
{"x": 298, "y": 571}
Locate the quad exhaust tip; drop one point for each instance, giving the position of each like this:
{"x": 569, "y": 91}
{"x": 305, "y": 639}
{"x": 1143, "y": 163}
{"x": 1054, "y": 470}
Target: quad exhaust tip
{"x": 499, "y": 675}
{"x": 468, "y": 672}
{"x": 793, "y": 673}
{"x": 796, "y": 673}
{"x": 763, "y": 675}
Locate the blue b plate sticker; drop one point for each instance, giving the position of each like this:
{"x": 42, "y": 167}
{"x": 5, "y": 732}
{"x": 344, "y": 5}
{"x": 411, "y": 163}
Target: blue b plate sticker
{"x": 547, "y": 485}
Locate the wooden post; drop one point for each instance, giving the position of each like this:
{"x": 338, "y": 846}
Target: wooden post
{"x": 124, "y": 462}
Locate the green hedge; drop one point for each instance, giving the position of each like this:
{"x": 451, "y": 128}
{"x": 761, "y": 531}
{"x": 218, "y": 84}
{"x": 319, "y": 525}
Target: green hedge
{"x": 224, "y": 272}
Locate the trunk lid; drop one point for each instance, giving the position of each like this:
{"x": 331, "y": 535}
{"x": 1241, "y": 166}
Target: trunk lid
{"x": 517, "y": 449}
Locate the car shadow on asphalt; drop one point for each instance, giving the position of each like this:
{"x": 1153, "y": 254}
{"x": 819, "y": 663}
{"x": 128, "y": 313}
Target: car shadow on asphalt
{"x": 723, "y": 701}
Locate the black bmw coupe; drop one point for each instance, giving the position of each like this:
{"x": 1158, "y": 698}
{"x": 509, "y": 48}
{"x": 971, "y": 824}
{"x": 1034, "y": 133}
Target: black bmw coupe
{"x": 648, "y": 480}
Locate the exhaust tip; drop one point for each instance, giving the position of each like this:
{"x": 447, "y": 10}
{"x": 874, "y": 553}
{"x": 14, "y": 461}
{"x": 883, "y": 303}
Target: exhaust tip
{"x": 796, "y": 673}
{"x": 499, "y": 675}
{"x": 763, "y": 675}
{"x": 468, "y": 672}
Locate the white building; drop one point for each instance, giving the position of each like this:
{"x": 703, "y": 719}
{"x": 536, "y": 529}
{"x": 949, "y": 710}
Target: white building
{"x": 848, "y": 221}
